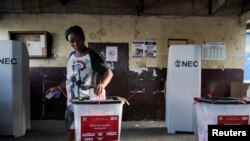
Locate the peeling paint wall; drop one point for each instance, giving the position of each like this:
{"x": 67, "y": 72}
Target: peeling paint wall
{"x": 138, "y": 70}
{"x": 100, "y": 28}
{"x": 146, "y": 76}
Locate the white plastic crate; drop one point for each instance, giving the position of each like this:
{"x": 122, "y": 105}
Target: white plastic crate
{"x": 219, "y": 111}
{"x": 98, "y": 121}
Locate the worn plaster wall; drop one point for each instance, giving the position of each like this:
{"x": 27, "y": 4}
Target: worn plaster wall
{"x": 100, "y": 28}
{"x": 146, "y": 76}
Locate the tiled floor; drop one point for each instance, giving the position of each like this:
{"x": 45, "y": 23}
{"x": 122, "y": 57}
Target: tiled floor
{"x": 50, "y": 130}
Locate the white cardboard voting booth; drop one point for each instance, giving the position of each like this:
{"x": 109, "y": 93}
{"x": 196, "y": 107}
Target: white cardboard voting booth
{"x": 14, "y": 88}
{"x": 182, "y": 85}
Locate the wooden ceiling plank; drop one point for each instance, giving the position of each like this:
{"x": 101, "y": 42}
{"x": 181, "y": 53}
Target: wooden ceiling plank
{"x": 216, "y": 5}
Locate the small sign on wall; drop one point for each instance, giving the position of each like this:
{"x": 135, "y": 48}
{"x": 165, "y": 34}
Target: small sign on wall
{"x": 111, "y": 53}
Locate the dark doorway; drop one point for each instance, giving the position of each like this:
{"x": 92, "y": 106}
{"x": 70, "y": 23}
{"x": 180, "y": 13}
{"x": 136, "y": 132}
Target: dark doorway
{"x": 119, "y": 83}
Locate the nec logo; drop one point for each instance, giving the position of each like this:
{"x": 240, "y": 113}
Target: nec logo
{"x": 8, "y": 61}
{"x": 179, "y": 63}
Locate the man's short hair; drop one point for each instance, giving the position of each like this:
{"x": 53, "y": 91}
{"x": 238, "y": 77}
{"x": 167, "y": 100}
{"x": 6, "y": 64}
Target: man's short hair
{"x": 74, "y": 29}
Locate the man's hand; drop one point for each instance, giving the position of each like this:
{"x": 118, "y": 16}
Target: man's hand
{"x": 100, "y": 89}
{"x": 50, "y": 90}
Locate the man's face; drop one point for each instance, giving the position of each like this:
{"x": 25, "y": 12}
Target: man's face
{"x": 76, "y": 41}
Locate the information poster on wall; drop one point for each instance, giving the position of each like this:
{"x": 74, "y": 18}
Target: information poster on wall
{"x": 138, "y": 49}
{"x": 214, "y": 51}
{"x": 150, "y": 49}
{"x": 141, "y": 49}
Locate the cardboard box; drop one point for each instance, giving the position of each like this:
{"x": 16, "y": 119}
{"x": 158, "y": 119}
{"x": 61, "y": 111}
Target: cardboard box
{"x": 238, "y": 89}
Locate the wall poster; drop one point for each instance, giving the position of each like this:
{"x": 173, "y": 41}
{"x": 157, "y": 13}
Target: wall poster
{"x": 214, "y": 51}
{"x": 35, "y": 41}
{"x": 141, "y": 49}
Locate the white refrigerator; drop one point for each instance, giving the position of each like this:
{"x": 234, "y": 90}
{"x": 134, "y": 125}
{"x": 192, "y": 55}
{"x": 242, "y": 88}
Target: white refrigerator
{"x": 14, "y": 88}
{"x": 183, "y": 83}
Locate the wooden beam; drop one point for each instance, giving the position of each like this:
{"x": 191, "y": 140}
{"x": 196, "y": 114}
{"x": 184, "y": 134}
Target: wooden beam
{"x": 216, "y": 5}
{"x": 245, "y": 18}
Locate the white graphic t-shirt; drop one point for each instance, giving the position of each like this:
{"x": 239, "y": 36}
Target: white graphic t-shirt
{"x": 80, "y": 71}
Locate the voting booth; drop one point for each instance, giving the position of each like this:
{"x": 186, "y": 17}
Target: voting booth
{"x": 183, "y": 83}
{"x": 14, "y": 88}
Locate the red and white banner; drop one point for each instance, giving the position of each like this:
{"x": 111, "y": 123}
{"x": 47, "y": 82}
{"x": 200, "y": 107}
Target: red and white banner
{"x": 233, "y": 120}
{"x": 100, "y": 128}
